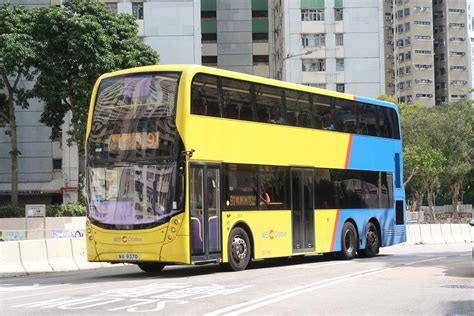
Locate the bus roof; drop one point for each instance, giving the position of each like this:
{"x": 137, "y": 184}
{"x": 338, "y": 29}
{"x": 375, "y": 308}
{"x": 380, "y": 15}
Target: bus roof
{"x": 189, "y": 70}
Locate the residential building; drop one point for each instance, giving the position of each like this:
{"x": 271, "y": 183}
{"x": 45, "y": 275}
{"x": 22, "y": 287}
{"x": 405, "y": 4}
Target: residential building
{"x": 427, "y": 50}
{"x": 335, "y": 44}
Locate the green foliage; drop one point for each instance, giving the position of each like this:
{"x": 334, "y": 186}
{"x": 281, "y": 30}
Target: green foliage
{"x": 82, "y": 41}
{"x": 437, "y": 147}
{"x": 7, "y": 211}
{"x": 65, "y": 210}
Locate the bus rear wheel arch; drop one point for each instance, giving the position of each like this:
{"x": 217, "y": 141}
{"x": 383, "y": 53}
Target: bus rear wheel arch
{"x": 372, "y": 240}
{"x": 239, "y": 249}
{"x": 349, "y": 242}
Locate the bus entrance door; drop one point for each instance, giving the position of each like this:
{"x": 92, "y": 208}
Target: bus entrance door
{"x": 302, "y": 209}
{"x": 204, "y": 193}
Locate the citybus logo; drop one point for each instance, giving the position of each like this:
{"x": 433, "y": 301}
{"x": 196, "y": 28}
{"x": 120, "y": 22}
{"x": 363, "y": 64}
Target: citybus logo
{"x": 272, "y": 234}
{"x": 126, "y": 239}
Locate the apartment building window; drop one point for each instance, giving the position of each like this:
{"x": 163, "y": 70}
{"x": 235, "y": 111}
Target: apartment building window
{"x": 422, "y": 52}
{"x": 401, "y": 57}
{"x": 424, "y": 23}
{"x": 209, "y": 60}
{"x": 458, "y": 96}
{"x": 424, "y": 95}
{"x": 57, "y": 164}
{"x": 340, "y": 87}
{"x": 408, "y": 69}
{"x": 458, "y": 68}
{"x": 457, "y": 39}
{"x": 312, "y": 14}
{"x": 439, "y": 44}
{"x": 111, "y": 6}
{"x": 339, "y": 39}
{"x": 423, "y": 66}
{"x": 316, "y": 85}
{"x": 339, "y": 64}
{"x": 406, "y": 11}
{"x": 456, "y": 10}
{"x": 436, "y": 2}
{"x": 457, "y": 54}
{"x": 401, "y": 71}
{"x": 401, "y": 99}
{"x": 314, "y": 65}
{"x": 313, "y": 40}
{"x": 400, "y": 28}
{"x": 442, "y": 71}
{"x": 423, "y": 81}
{"x": 400, "y": 43}
{"x": 407, "y": 41}
{"x": 421, "y": 9}
{"x": 442, "y": 56}
{"x": 438, "y": 15}
{"x": 423, "y": 37}
{"x": 439, "y": 29}
{"x": 457, "y": 25}
{"x": 407, "y": 26}
{"x": 137, "y": 10}
{"x": 407, "y": 55}
{"x": 399, "y": 14}
{"x": 409, "y": 99}
{"x": 338, "y": 14}
{"x": 459, "y": 82}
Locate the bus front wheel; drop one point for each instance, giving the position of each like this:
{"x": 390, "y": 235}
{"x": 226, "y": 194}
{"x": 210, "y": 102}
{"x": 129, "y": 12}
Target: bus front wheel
{"x": 151, "y": 266}
{"x": 371, "y": 242}
{"x": 238, "y": 249}
{"x": 348, "y": 242}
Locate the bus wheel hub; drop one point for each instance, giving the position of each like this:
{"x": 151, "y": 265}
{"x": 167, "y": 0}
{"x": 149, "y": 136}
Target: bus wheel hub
{"x": 239, "y": 248}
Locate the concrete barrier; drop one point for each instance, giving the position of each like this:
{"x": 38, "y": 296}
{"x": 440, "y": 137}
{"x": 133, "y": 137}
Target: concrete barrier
{"x": 456, "y": 232}
{"x": 436, "y": 234}
{"x": 60, "y": 255}
{"x": 447, "y": 233}
{"x": 465, "y": 232}
{"x": 415, "y": 235}
{"x": 80, "y": 256}
{"x": 10, "y": 259}
{"x": 426, "y": 235}
{"x": 34, "y": 256}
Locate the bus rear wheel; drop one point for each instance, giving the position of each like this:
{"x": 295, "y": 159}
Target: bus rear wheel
{"x": 348, "y": 242}
{"x": 371, "y": 242}
{"x": 151, "y": 266}
{"x": 239, "y": 249}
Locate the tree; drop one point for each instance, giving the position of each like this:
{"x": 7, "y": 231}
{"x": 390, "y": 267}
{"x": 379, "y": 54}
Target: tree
{"x": 82, "y": 41}
{"x": 17, "y": 57}
{"x": 455, "y": 140}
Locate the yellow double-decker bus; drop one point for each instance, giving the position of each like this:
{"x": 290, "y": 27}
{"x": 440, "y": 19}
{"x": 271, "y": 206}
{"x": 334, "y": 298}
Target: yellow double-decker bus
{"x": 188, "y": 164}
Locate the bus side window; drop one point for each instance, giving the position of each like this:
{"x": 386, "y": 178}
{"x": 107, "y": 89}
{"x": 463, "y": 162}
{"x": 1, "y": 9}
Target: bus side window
{"x": 323, "y": 112}
{"x": 345, "y": 116}
{"x": 298, "y": 108}
{"x": 237, "y": 99}
{"x": 205, "y": 96}
{"x": 269, "y": 104}
{"x": 367, "y": 119}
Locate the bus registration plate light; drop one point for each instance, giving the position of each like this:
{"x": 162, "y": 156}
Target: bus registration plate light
{"x": 128, "y": 256}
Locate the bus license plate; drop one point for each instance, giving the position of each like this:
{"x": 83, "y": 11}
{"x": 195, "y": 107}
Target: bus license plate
{"x": 128, "y": 256}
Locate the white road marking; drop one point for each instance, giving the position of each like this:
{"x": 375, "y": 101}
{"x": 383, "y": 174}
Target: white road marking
{"x": 315, "y": 265}
{"x": 10, "y": 288}
{"x": 50, "y": 292}
{"x": 279, "y": 296}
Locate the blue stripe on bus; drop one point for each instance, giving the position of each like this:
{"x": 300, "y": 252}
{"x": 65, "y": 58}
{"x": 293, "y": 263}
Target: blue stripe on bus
{"x": 373, "y": 153}
{"x": 391, "y": 233}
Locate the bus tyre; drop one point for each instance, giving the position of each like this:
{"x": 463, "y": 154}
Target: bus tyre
{"x": 151, "y": 266}
{"x": 348, "y": 242}
{"x": 238, "y": 249}
{"x": 371, "y": 242}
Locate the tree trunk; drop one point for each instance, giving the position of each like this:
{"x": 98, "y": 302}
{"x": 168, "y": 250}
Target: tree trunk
{"x": 455, "y": 187}
{"x": 430, "y": 191}
{"x": 13, "y": 148}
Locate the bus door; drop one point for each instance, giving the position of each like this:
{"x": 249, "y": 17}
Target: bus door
{"x": 302, "y": 209}
{"x": 204, "y": 193}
